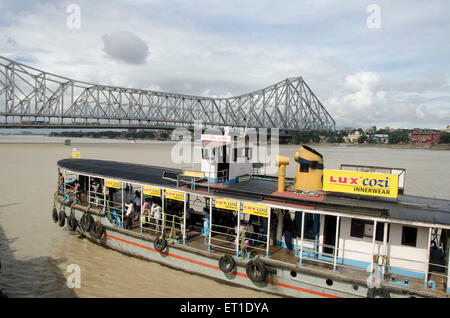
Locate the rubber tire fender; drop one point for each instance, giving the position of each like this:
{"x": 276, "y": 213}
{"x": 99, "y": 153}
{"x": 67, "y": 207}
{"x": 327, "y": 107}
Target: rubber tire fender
{"x": 251, "y": 273}
{"x": 72, "y": 223}
{"x": 385, "y": 293}
{"x": 86, "y": 222}
{"x": 372, "y": 292}
{"x": 226, "y": 263}
{"x": 62, "y": 218}
{"x": 55, "y": 215}
{"x": 160, "y": 243}
{"x": 97, "y": 230}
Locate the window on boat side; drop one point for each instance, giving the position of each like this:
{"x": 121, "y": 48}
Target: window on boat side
{"x": 205, "y": 154}
{"x": 358, "y": 226}
{"x": 248, "y": 153}
{"x": 409, "y": 236}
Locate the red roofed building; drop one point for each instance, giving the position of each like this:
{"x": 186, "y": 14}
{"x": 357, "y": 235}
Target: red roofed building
{"x": 420, "y": 137}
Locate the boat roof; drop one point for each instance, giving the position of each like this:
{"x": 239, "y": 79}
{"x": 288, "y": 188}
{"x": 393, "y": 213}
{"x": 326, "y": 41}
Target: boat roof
{"x": 406, "y": 207}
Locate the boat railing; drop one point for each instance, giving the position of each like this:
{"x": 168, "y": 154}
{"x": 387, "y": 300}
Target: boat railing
{"x": 222, "y": 237}
{"x": 222, "y": 176}
{"x": 255, "y": 242}
{"x": 151, "y": 223}
{"x": 173, "y": 224}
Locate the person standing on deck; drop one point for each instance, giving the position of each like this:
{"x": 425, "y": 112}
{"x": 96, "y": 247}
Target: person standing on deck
{"x": 129, "y": 214}
{"x": 137, "y": 203}
{"x": 146, "y": 211}
{"x": 156, "y": 214}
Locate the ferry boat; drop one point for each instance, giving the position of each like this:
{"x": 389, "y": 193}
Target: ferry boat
{"x": 342, "y": 233}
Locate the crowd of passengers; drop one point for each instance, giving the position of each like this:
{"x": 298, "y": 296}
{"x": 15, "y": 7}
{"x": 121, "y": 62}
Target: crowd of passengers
{"x": 255, "y": 228}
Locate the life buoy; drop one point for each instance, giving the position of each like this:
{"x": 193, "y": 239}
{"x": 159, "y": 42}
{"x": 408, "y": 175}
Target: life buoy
{"x": 86, "y": 222}
{"x": 160, "y": 243}
{"x": 55, "y": 215}
{"x": 256, "y": 271}
{"x": 62, "y": 218}
{"x": 72, "y": 223}
{"x": 97, "y": 229}
{"x": 226, "y": 263}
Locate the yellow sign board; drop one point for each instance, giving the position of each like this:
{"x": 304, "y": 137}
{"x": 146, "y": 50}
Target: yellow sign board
{"x": 174, "y": 195}
{"x": 112, "y": 183}
{"x": 365, "y": 183}
{"x": 256, "y": 209}
{"x": 153, "y": 191}
{"x": 226, "y": 204}
{"x": 76, "y": 155}
{"x": 194, "y": 174}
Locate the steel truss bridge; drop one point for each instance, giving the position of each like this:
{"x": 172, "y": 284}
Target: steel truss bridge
{"x": 31, "y": 98}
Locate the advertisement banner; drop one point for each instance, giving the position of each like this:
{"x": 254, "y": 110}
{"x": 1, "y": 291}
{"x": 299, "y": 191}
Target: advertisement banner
{"x": 112, "y": 183}
{"x": 365, "y": 183}
{"x": 226, "y": 204}
{"x": 256, "y": 209}
{"x": 76, "y": 155}
{"x": 174, "y": 195}
{"x": 153, "y": 191}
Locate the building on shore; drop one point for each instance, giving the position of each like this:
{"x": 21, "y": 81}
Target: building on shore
{"x": 425, "y": 137}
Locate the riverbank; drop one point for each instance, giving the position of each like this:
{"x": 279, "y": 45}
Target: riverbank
{"x": 389, "y": 146}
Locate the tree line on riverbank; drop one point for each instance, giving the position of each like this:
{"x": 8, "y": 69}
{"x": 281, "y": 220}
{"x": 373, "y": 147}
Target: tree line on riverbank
{"x": 317, "y": 136}
{"x": 143, "y": 134}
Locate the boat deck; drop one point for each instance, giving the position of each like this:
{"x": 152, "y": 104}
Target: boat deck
{"x": 286, "y": 256}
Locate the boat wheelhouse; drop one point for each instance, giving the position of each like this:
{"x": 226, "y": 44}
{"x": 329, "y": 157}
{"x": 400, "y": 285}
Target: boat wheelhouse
{"x": 289, "y": 236}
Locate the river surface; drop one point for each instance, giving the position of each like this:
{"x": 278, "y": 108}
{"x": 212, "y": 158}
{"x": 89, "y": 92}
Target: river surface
{"x": 35, "y": 253}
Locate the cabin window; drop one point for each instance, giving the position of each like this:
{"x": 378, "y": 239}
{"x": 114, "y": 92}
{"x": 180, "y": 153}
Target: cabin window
{"x": 379, "y": 236}
{"x": 409, "y": 236}
{"x": 357, "y": 228}
{"x": 248, "y": 153}
{"x": 361, "y": 228}
{"x": 205, "y": 154}
{"x": 235, "y": 154}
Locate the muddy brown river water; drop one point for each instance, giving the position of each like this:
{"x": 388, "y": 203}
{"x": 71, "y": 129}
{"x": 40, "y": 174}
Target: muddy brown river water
{"x": 35, "y": 253}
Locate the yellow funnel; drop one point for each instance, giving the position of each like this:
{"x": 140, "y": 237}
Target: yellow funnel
{"x": 282, "y": 162}
{"x": 309, "y": 171}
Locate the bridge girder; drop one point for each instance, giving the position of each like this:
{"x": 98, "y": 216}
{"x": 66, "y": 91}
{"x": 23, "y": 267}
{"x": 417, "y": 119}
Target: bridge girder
{"x": 27, "y": 93}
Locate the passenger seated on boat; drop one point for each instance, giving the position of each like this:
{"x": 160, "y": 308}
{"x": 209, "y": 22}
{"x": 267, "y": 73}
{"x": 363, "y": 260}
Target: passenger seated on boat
{"x": 129, "y": 215}
{"x": 146, "y": 210}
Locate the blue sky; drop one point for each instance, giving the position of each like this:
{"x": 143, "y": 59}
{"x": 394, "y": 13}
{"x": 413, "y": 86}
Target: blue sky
{"x": 396, "y": 75}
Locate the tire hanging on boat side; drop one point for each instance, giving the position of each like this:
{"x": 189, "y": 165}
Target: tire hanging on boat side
{"x": 256, "y": 271}
{"x": 97, "y": 230}
{"x": 160, "y": 243}
{"x": 72, "y": 223}
{"x": 62, "y": 218}
{"x": 226, "y": 263}
{"x": 86, "y": 222}
{"x": 55, "y": 215}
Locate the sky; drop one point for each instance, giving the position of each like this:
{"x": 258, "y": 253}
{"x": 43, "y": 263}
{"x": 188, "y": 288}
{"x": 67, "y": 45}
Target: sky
{"x": 370, "y": 63}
